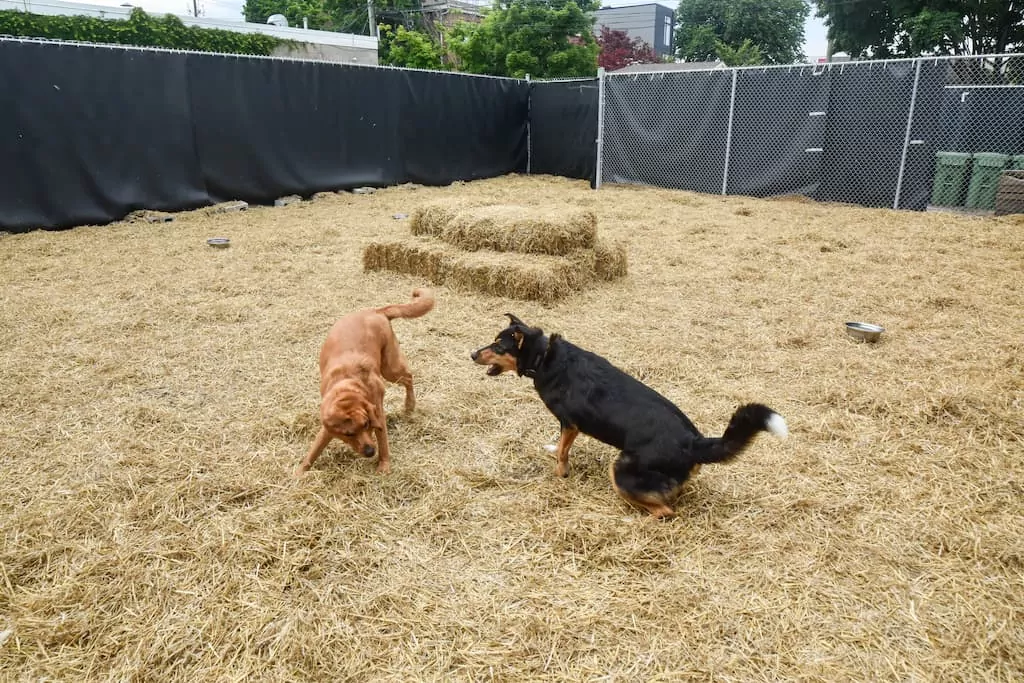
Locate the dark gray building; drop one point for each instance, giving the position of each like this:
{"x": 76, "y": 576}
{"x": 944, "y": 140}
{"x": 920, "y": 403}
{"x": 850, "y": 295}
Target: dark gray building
{"x": 654, "y": 24}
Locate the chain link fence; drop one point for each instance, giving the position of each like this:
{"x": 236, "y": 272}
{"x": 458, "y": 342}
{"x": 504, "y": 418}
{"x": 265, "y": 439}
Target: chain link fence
{"x": 908, "y": 134}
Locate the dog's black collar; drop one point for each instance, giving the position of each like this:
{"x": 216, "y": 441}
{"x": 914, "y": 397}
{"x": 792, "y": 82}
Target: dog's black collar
{"x": 530, "y": 368}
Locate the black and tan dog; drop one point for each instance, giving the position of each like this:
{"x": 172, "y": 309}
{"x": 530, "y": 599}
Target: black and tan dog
{"x": 660, "y": 447}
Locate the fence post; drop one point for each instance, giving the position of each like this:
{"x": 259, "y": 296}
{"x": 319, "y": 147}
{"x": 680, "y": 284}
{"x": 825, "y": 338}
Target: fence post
{"x": 728, "y": 133}
{"x": 600, "y": 128}
{"x": 529, "y": 124}
{"x": 906, "y": 136}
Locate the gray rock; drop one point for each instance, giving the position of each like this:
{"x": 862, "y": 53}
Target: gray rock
{"x": 231, "y": 207}
{"x": 290, "y": 199}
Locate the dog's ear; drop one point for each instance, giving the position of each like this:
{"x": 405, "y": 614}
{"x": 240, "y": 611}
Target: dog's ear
{"x": 376, "y": 419}
{"x": 523, "y": 332}
{"x": 514, "y": 320}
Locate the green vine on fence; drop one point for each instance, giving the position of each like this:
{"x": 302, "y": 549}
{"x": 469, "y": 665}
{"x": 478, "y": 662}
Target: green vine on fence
{"x": 139, "y": 29}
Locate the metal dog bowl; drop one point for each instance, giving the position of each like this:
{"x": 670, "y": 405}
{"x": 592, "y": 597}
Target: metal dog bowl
{"x": 219, "y": 242}
{"x": 864, "y": 331}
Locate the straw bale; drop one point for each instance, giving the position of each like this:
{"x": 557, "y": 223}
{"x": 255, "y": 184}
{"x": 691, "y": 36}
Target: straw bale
{"x": 608, "y": 259}
{"x": 553, "y": 230}
{"x": 155, "y": 395}
{"x": 517, "y": 276}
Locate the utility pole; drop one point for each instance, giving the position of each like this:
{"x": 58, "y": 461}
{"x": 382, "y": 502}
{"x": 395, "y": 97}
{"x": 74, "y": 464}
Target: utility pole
{"x": 373, "y": 20}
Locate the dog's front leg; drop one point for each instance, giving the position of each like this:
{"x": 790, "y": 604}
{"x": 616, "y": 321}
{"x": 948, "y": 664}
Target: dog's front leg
{"x": 565, "y": 440}
{"x": 319, "y": 444}
{"x": 383, "y": 449}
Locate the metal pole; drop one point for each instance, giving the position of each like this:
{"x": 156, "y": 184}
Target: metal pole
{"x": 906, "y": 137}
{"x": 728, "y": 133}
{"x": 373, "y": 20}
{"x": 529, "y": 124}
{"x": 600, "y": 128}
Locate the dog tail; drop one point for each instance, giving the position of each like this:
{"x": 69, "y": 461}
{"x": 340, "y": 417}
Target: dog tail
{"x": 746, "y": 422}
{"x": 421, "y": 304}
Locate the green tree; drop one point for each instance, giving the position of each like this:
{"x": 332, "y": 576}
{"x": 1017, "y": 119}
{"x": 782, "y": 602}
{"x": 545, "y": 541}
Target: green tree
{"x": 908, "y": 28}
{"x": 315, "y": 11}
{"x": 345, "y": 16}
{"x": 745, "y": 55}
{"x": 710, "y": 29}
{"x": 543, "y": 38}
{"x": 410, "y": 49}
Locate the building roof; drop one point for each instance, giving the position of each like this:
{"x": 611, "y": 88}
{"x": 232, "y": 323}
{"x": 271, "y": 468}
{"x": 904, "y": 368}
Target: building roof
{"x": 671, "y": 66}
{"x": 64, "y": 8}
{"x": 628, "y": 7}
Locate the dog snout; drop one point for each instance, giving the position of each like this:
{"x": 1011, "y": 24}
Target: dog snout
{"x": 369, "y": 451}
{"x": 473, "y": 355}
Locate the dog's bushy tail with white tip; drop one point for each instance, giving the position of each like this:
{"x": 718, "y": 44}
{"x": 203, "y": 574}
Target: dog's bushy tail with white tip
{"x": 746, "y": 422}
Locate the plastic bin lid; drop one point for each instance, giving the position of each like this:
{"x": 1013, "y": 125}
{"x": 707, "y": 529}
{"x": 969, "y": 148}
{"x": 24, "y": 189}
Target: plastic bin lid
{"x": 957, "y": 157}
{"x": 991, "y": 158}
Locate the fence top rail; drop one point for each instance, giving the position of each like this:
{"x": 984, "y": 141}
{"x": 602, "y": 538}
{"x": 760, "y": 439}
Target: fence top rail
{"x": 978, "y": 86}
{"x": 146, "y": 48}
{"x": 565, "y": 80}
{"x": 855, "y": 64}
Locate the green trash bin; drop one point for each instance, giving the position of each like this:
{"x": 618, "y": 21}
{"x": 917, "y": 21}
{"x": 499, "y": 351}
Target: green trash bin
{"x": 950, "y": 178}
{"x": 981, "y": 193}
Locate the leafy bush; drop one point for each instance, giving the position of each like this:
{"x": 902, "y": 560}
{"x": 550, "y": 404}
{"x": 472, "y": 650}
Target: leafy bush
{"x": 543, "y": 38}
{"x": 411, "y": 49}
{"x": 619, "y": 50}
{"x": 139, "y": 29}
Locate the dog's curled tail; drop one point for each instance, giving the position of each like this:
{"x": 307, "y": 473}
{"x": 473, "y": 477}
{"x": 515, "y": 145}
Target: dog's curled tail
{"x": 421, "y": 304}
{"x": 746, "y": 422}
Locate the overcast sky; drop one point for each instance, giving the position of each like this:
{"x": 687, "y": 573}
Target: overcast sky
{"x": 814, "y": 29}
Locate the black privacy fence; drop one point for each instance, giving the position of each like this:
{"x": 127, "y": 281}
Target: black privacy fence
{"x": 90, "y": 133}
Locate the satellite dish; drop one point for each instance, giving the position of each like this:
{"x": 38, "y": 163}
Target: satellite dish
{"x": 277, "y": 20}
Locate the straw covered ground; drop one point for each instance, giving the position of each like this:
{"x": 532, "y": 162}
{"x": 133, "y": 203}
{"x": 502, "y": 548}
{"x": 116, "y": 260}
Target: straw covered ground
{"x": 155, "y": 395}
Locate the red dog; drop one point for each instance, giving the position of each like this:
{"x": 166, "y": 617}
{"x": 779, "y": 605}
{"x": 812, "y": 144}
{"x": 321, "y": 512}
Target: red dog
{"x": 361, "y": 351}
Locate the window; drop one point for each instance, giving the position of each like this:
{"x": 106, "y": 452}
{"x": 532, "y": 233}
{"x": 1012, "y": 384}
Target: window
{"x": 667, "y": 39}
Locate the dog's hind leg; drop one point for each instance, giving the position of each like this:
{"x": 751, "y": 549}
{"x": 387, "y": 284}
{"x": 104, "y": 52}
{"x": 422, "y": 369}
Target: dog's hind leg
{"x": 653, "y": 502}
{"x": 395, "y": 369}
{"x": 319, "y": 444}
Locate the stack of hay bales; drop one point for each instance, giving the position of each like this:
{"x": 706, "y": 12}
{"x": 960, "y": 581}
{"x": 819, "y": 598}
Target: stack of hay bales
{"x": 520, "y": 252}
